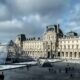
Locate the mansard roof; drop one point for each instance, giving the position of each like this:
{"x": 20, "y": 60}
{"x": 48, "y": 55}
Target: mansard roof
{"x": 22, "y": 37}
{"x": 71, "y": 34}
{"x": 50, "y": 27}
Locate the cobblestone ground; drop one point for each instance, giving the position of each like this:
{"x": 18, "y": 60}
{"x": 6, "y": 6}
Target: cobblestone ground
{"x": 40, "y": 73}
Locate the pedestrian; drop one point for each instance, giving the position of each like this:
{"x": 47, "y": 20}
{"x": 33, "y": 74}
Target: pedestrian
{"x": 49, "y": 69}
{"x": 2, "y": 76}
{"x": 55, "y": 71}
{"x": 59, "y": 70}
{"x": 66, "y": 70}
{"x": 27, "y": 67}
{"x": 71, "y": 75}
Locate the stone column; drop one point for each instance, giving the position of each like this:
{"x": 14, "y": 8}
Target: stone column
{"x": 64, "y": 55}
{"x": 77, "y": 56}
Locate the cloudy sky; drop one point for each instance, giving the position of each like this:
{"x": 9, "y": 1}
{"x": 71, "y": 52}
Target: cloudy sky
{"x": 32, "y": 16}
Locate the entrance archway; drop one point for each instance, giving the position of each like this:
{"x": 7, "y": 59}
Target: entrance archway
{"x": 58, "y": 54}
{"x": 52, "y": 56}
{"x": 48, "y": 55}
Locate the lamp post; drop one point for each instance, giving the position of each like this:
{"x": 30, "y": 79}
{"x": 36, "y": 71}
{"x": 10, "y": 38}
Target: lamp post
{"x": 51, "y": 50}
{"x": 56, "y": 46}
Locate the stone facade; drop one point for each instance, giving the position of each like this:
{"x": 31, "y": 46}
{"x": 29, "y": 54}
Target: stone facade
{"x": 34, "y": 48}
{"x": 53, "y": 44}
{"x": 69, "y": 48}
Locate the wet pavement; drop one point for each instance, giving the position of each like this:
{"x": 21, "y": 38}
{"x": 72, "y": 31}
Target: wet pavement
{"x": 41, "y": 73}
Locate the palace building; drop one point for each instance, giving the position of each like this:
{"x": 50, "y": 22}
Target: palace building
{"x": 53, "y": 44}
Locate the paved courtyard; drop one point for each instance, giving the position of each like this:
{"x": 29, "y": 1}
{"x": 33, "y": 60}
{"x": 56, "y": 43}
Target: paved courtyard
{"x": 57, "y": 72}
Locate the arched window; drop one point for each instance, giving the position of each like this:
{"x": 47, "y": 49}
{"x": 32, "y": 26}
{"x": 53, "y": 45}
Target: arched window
{"x": 63, "y": 54}
{"x": 75, "y": 54}
{"x": 64, "y": 46}
{"x": 66, "y": 54}
{"x": 70, "y": 54}
{"x": 68, "y": 46}
{"x": 72, "y": 46}
{"x": 77, "y": 46}
{"x": 79, "y": 54}
{"x": 58, "y": 54}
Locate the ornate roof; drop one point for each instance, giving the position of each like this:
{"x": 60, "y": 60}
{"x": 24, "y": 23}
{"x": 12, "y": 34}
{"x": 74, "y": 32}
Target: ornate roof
{"x": 71, "y": 34}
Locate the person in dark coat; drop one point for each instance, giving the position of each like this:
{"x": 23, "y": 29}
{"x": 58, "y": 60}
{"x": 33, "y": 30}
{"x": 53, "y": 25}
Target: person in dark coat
{"x": 2, "y": 76}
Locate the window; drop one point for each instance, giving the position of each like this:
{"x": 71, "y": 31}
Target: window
{"x": 75, "y": 54}
{"x": 60, "y": 41}
{"x": 79, "y": 54}
{"x": 49, "y": 37}
{"x": 61, "y": 46}
{"x": 70, "y": 54}
{"x": 63, "y": 54}
{"x": 68, "y": 46}
{"x": 77, "y": 46}
{"x": 48, "y": 46}
{"x": 77, "y": 41}
{"x": 66, "y": 54}
{"x": 58, "y": 54}
{"x": 64, "y": 46}
{"x": 72, "y": 46}
{"x": 72, "y": 41}
{"x": 64, "y": 41}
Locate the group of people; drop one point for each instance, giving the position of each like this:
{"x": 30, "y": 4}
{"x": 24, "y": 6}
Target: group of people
{"x": 69, "y": 70}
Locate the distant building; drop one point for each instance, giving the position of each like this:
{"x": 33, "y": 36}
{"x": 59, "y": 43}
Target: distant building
{"x": 53, "y": 44}
{"x": 12, "y": 49}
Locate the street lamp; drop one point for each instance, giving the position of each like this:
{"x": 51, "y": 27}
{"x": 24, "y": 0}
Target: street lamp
{"x": 51, "y": 51}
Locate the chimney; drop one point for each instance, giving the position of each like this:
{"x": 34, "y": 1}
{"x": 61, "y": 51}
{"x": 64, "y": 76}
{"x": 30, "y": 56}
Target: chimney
{"x": 58, "y": 28}
{"x": 55, "y": 27}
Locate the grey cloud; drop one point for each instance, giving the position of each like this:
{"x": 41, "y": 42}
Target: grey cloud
{"x": 19, "y": 26}
{"x": 43, "y": 7}
{"x": 4, "y": 13}
{"x": 10, "y": 26}
{"x": 5, "y": 37}
{"x": 2, "y": 1}
{"x": 73, "y": 22}
{"x": 19, "y": 8}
